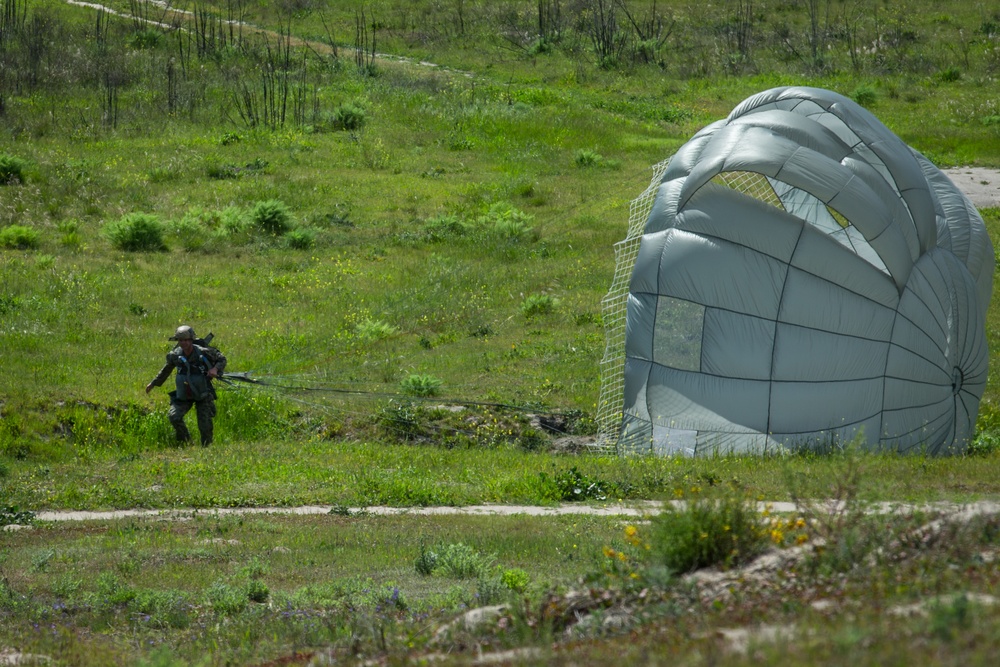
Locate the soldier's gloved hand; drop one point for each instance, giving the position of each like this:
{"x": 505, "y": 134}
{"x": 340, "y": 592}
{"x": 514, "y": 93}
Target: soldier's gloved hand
{"x": 213, "y": 372}
{"x": 149, "y": 387}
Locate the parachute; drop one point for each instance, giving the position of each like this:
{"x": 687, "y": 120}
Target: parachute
{"x": 803, "y": 279}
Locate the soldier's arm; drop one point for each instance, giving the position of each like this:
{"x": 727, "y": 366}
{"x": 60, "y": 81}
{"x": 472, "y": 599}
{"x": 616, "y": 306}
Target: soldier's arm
{"x": 161, "y": 377}
{"x": 218, "y": 362}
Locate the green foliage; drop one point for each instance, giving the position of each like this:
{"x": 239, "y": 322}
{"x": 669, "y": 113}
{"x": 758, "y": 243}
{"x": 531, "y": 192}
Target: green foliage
{"x": 12, "y": 169}
{"x": 588, "y": 158}
{"x": 538, "y": 304}
{"x": 127, "y": 429}
{"x": 864, "y": 95}
{"x": 724, "y": 529}
{"x": 347, "y": 116}
{"x": 374, "y": 330}
{"x": 227, "y": 599}
{"x": 987, "y": 438}
{"x": 70, "y": 230}
{"x": 302, "y": 238}
{"x": 146, "y": 38}
{"x": 419, "y": 384}
{"x": 257, "y": 591}
{"x": 12, "y": 515}
{"x": 443, "y": 228}
{"x": 19, "y": 237}
{"x": 190, "y": 232}
{"x": 271, "y": 217}
{"x": 456, "y": 560}
{"x": 250, "y": 416}
{"x": 515, "y": 579}
{"x": 136, "y": 232}
{"x": 950, "y": 74}
{"x": 573, "y": 485}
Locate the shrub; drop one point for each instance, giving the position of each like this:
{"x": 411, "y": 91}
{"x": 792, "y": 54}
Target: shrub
{"x": 515, "y": 579}
{"x": 271, "y": 216}
{"x": 420, "y": 385}
{"x": 573, "y": 485}
{"x": 538, "y": 304}
{"x": 190, "y": 231}
{"x": 373, "y": 330}
{"x": 234, "y": 223}
{"x": 456, "y": 560}
{"x": 257, "y": 591}
{"x": 70, "y": 230}
{"x": 11, "y": 169}
{"x": 347, "y": 116}
{"x": 226, "y": 600}
{"x": 727, "y": 530}
{"x": 136, "y": 232}
{"x": 301, "y": 239}
{"x": 950, "y": 74}
{"x": 445, "y": 227}
{"x": 864, "y": 95}
{"x": 19, "y": 237}
{"x": 586, "y": 158}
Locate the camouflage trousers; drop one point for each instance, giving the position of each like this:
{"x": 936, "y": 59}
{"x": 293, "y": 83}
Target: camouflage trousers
{"x": 205, "y": 410}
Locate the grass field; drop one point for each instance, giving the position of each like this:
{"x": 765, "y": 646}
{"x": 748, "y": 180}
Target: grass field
{"x": 401, "y": 217}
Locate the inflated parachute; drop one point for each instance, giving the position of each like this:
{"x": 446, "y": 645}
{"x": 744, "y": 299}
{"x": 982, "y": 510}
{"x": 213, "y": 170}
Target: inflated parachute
{"x": 804, "y": 279}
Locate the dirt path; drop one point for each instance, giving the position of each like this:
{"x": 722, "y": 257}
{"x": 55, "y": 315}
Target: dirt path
{"x": 633, "y": 509}
{"x": 980, "y": 185}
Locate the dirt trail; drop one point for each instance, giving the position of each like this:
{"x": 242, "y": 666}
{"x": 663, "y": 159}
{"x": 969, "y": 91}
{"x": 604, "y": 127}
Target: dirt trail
{"x": 632, "y": 509}
{"x": 980, "y": 185}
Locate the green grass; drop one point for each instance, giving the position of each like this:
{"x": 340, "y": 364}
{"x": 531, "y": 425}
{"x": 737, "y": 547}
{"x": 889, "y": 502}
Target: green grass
{"x": 272, "y": 582}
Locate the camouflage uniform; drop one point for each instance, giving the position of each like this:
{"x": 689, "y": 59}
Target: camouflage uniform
{"x": 194, "y": 389}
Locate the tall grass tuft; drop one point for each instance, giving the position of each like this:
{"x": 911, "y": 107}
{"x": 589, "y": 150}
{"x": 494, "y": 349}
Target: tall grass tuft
{"x": 725, "y": 530}
{"x": 272, "y": 217}
{"x": 418, "y": 384}
{"x": 19, "y": 237}
{"x": 11, "y": 169}
{"x": 136, "y": 232}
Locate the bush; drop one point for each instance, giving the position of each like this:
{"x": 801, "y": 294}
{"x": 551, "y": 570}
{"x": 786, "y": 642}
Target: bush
{"x": 505, "y": 223}
{"x": 136, "y": 232}
{"x": 301, "y": 239}
{"x": 348, "y": 116}
{"x": 234, "y": 224}
{"x": 19, "y": 237}
{"x": 190, "y": 232}
{"x": 456, "y": 560}
{"x": 271, "y": 217}
{"x": 70, "y": 230}
{"x": 538, "y": 304}
{"x": 586, "y": 158}
{"x": 420, "y": 385}
{"x": 445, "y": 227}
{"x": 727, "y": 530}
{"x": 11, "y": 169}
{"x": 864, "y": 95}
{"x": 515, "y": 579}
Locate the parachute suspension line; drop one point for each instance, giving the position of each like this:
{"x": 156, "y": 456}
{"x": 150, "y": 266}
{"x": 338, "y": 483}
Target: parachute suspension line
{"x": 613, "y": 311}
{"x": 242, "y": 380}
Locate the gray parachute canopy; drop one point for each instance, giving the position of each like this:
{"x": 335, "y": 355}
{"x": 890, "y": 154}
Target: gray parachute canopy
{"x": 805, "y": 279}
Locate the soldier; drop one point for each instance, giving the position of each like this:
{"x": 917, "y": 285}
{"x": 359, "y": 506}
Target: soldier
{"x": 196, "y": 366}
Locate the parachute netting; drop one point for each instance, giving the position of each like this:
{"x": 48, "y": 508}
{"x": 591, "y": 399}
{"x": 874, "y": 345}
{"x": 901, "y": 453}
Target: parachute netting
{"x": 613, "y": 311}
